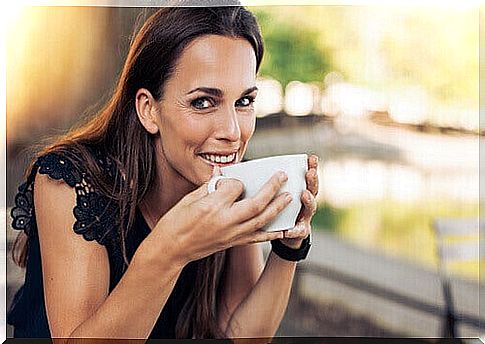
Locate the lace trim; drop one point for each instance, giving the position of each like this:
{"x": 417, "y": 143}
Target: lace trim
{"x": 95, "y": 214}
{"x": 22, "y": 213}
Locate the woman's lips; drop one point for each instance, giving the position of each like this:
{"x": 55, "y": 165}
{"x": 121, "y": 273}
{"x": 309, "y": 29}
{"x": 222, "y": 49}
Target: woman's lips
{"x": 220, "y": 164}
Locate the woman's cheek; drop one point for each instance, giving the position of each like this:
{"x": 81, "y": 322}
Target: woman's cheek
{"x": 248, "y": 125}
{"x": 196, "y": 131}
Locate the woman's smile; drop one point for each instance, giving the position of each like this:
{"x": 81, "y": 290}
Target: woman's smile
{"x": 219, "y": 159}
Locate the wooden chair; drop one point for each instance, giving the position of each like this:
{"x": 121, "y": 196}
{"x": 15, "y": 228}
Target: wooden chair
{"x": 457, "y": 240}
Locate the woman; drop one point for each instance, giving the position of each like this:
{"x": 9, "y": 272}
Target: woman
{"x": 139, "y": 248}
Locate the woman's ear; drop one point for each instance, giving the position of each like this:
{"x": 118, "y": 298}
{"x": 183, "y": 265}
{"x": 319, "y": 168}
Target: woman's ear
{"x": 147, "y": 110}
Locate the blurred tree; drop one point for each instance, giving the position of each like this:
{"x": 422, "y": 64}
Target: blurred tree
{"x": 292, "y": 52}
{"x": 435, "y": 48}
{"x": 380, "y": 47}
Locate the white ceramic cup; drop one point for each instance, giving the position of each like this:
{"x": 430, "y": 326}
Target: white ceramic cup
{"x": 255, "y": 173}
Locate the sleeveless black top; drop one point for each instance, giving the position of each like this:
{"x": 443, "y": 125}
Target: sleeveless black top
{"x": 95, "y": 220}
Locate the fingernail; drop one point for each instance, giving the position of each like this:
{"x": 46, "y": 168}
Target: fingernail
{"x": 288, "y": 197}
{"x": 283, "y": 177}
{"x": 307, "y": 197}
{"x": 216, "y": 171}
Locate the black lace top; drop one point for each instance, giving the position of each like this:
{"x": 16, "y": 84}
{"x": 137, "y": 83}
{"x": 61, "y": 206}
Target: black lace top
{"x": 95, "y": 220}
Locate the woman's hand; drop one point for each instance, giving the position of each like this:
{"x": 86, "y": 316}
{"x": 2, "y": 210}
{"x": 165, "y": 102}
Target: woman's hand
{"x": 201, "y": 224}
{"x": 294, "y": 237}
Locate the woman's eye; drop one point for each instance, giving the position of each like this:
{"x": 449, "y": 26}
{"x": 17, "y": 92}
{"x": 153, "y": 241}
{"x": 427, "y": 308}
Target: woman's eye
{"x": 201, "y": 103}
{"x": 245, "y": 101}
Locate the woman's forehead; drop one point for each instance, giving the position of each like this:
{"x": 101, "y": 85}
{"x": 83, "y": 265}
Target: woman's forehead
{"x": 216, "y": 62}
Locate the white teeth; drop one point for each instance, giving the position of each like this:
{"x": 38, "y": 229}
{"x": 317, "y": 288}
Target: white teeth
{"x": 219, "y": 158}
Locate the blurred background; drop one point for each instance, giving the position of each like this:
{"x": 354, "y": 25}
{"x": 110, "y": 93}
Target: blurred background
{"x": 387, "y": 97}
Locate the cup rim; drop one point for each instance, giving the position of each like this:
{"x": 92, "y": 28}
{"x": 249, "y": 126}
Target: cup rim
{"x": 273, "y": 157}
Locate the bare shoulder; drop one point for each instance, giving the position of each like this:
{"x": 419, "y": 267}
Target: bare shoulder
{"x": 54, "y": 202}
{"x": 75, "y": 270}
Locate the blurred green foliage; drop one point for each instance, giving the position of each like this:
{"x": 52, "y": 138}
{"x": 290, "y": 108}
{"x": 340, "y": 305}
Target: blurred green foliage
{"x": 292, "y": 52}
{"x": 328, "y": 218}
{"x": 396, "y": 228}
{"x": 381, "y": 47}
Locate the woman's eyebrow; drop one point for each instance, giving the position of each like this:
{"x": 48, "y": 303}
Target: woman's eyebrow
{"x": 219, "y": 93}
{"x": 209, "y": 90}
{"x": 249, "y": 90}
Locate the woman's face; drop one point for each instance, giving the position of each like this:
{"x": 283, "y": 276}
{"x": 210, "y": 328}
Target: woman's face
{"x": 206, "y": 114}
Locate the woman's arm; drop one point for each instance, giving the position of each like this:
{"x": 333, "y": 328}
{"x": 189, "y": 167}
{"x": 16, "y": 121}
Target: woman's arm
{"x": 76, "y": 275}
{"x": 239, "y": 279}
{"x": 80, "y": 305}
{"x": 261, "y": 312}
{"x": 255, "y": 309}
{"x": 255, "y": 301}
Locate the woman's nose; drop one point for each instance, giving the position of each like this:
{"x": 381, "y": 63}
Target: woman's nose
{"x": 228, "y": 125}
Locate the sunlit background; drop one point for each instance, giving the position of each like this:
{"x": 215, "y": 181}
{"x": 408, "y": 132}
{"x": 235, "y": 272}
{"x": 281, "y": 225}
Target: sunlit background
{"x": 387, "y": 97}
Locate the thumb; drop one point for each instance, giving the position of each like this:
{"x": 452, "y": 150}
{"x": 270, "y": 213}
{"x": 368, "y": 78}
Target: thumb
{"x": 201, "y": 191}
{"x": 216, "y": 171}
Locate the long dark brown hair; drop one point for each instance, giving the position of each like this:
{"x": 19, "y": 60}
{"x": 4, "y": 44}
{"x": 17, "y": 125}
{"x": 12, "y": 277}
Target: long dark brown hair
{"x": 118, "y": 132}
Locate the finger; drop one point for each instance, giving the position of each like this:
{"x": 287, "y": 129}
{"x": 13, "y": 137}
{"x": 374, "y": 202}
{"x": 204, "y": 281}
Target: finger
{"x": 250, "y": 207}
{"x": 312, "y": 181}
{"x": 227, "y": 191}
{"x": 201, "y": 191}
{"x": 260, "y": 236}
{"x": 269, "y": 213}
{"x": 312, "y": 161}
{"x": 309, "y": 207}
{"x": 197, "y": 194}
{"x": 216, "y": 171}
{"x": 301, "y": 230}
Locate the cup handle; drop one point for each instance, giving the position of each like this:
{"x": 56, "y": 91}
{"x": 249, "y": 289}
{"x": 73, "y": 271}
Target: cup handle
{"x": 211, "y": 186}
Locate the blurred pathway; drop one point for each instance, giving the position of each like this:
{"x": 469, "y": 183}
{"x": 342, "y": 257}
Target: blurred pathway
{"x": 305, "y": 319}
